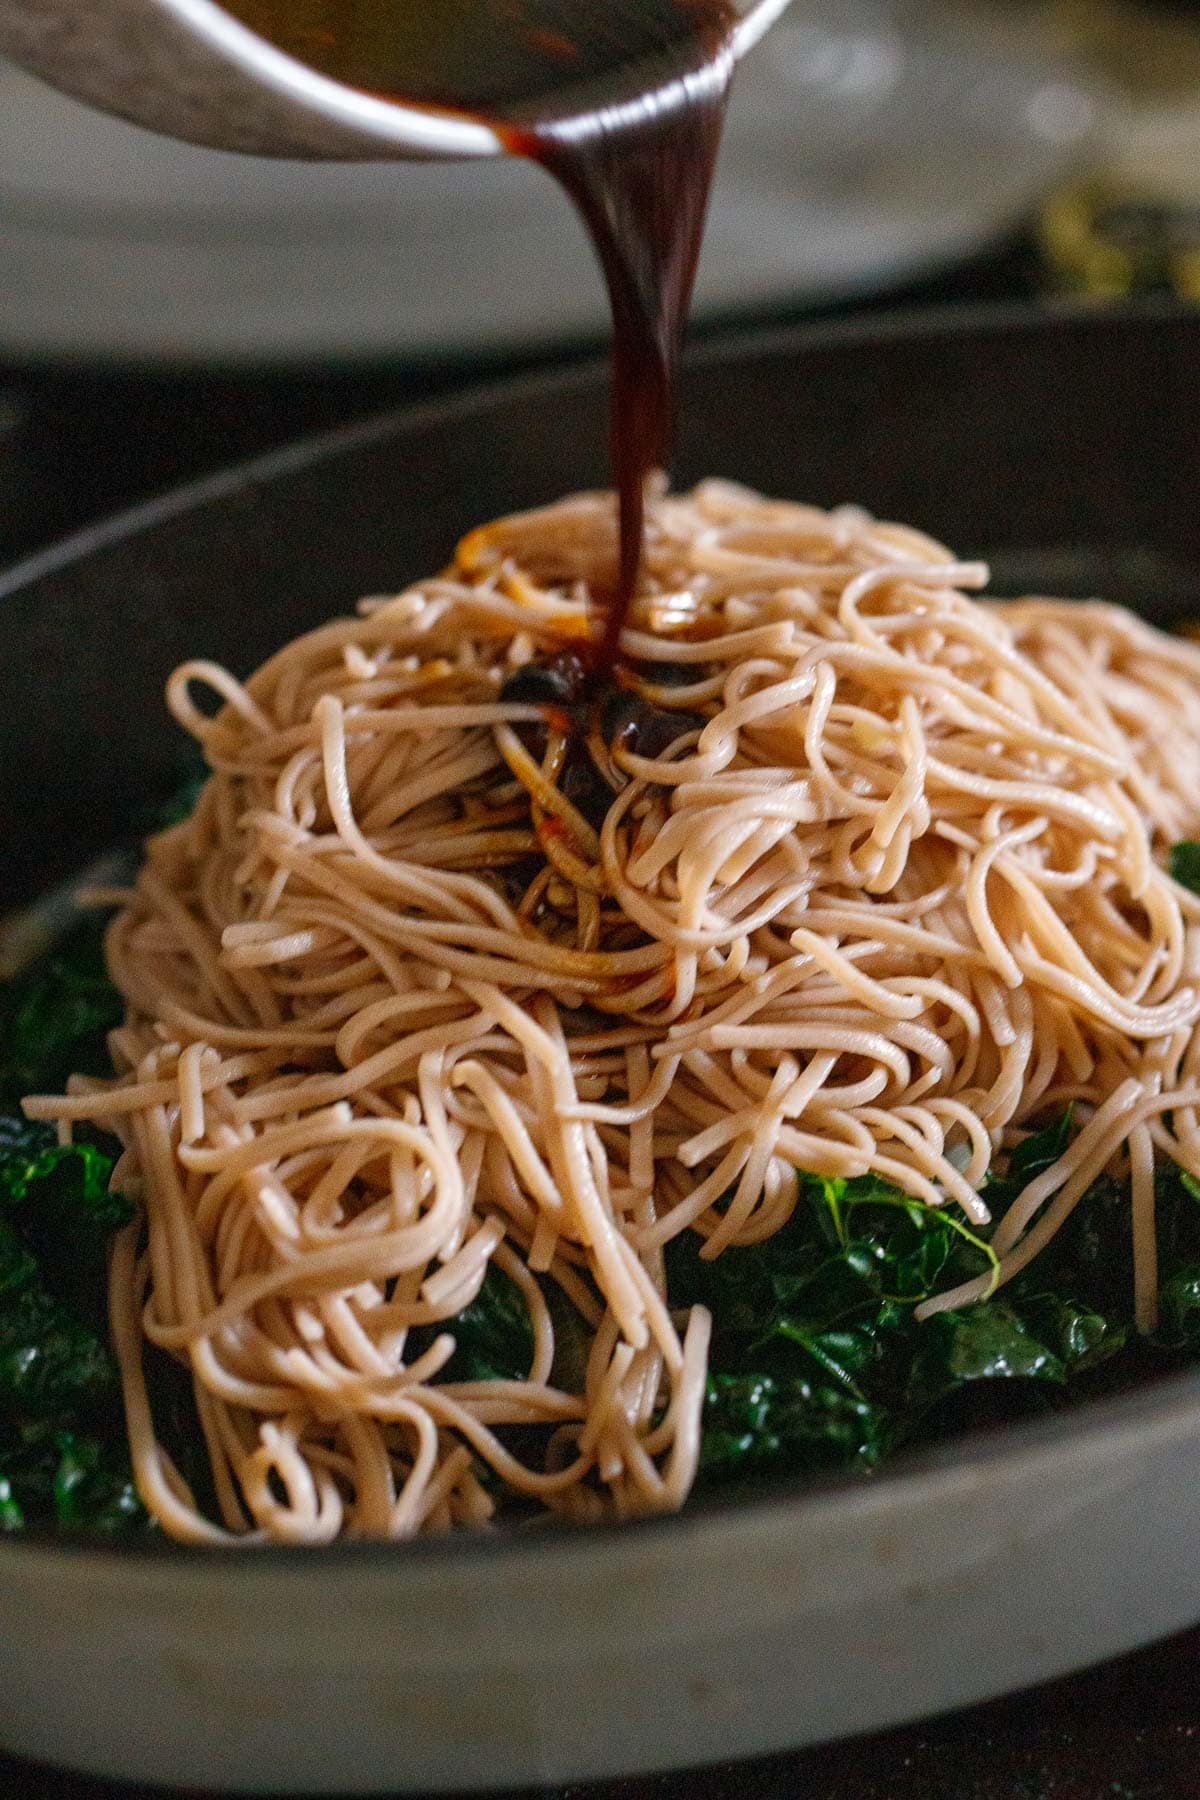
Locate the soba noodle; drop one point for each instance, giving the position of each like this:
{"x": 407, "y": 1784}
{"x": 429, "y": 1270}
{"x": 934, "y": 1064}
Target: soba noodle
{"x": 874, "y": 880}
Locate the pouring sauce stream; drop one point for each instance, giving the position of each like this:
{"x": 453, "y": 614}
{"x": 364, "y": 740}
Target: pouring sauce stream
{"x": 622, "y": 102}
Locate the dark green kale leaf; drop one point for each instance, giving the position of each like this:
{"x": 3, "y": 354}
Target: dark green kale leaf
{"x": 54, "y": 1017}
{"x": 1179, "y": 1309}
{"x": 493, "y": 1340}
{"x": 816, "y": 1326}
{"x": 1184, "y": 864}
{"x": 1089, "y": 1259}
{"x": 986, "y": 1341}
{"x": 76, "y": 1481}
{"x": 763, "y": 1424}
{"x": 57, "y": 1199}
{"x": 1040, "y": 1150}
{"x": 1079, "y": 1336}
{"x": 1176, "y": 1218}
{"x": 846, "y": 1251}
{"x": 56, "y": 1221}
{"x": 493, "y": 1336}
{"x": 50, "y": 1360}
{"x": 93, "y": 1485}
{"x": 1031, "y": 1158}
{"x": 742, "y": 1288}
{"x": 1177, "y": 1236}
{"x": 810, "y": 1344}
{"x": 63, "y": 1454}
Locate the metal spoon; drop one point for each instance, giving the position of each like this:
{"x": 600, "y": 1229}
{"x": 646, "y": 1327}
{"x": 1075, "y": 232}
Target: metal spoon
{"x": 187, "y": 68}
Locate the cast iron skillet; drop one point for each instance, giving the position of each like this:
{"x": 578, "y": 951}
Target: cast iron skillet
{"x": 1065, "y": 446}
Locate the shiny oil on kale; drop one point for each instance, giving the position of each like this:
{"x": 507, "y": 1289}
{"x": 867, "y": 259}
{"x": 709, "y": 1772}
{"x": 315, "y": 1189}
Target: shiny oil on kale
{"x": 819, "y": 1363}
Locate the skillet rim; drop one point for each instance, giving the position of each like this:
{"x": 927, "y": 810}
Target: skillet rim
{"x": 1148, "y": 1410}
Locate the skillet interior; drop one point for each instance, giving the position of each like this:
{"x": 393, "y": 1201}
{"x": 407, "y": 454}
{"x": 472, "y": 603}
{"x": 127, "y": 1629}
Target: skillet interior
{"x": 1063, "y": 447}
{"x": 1060, "y": 446}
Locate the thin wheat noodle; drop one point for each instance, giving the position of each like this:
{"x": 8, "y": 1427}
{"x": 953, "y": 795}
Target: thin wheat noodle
{"x": 436, "y": 997}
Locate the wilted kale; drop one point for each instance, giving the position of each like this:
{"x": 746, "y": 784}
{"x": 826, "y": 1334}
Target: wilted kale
{"x": 817, "y": 1363}
{"x": 54, "y": 1017}
{"x": 63, "y": 1457}
{"x": 782, "y": 1424}
{"x": 493, "y": 1337}
{"x": 814, "y": 1337}
{"x": 64, "y": 1216}
{"x": 1184, "y": 864}
{"x": 63, "y": 1454}
{"x": 75, "y": 1481}
{"x": 817, "y": 1360}
{"x": 494, "y": 1342}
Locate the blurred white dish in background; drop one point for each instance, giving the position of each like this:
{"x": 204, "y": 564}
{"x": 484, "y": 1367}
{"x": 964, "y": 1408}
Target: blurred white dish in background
{"x": 865, "y": 145}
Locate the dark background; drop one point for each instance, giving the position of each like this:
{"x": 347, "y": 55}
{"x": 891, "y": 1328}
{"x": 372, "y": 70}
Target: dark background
{"x": 78, "y": 443}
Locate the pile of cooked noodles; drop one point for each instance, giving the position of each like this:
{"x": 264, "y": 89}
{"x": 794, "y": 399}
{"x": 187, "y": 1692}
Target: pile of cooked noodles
{"x": 454, "y": 966}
